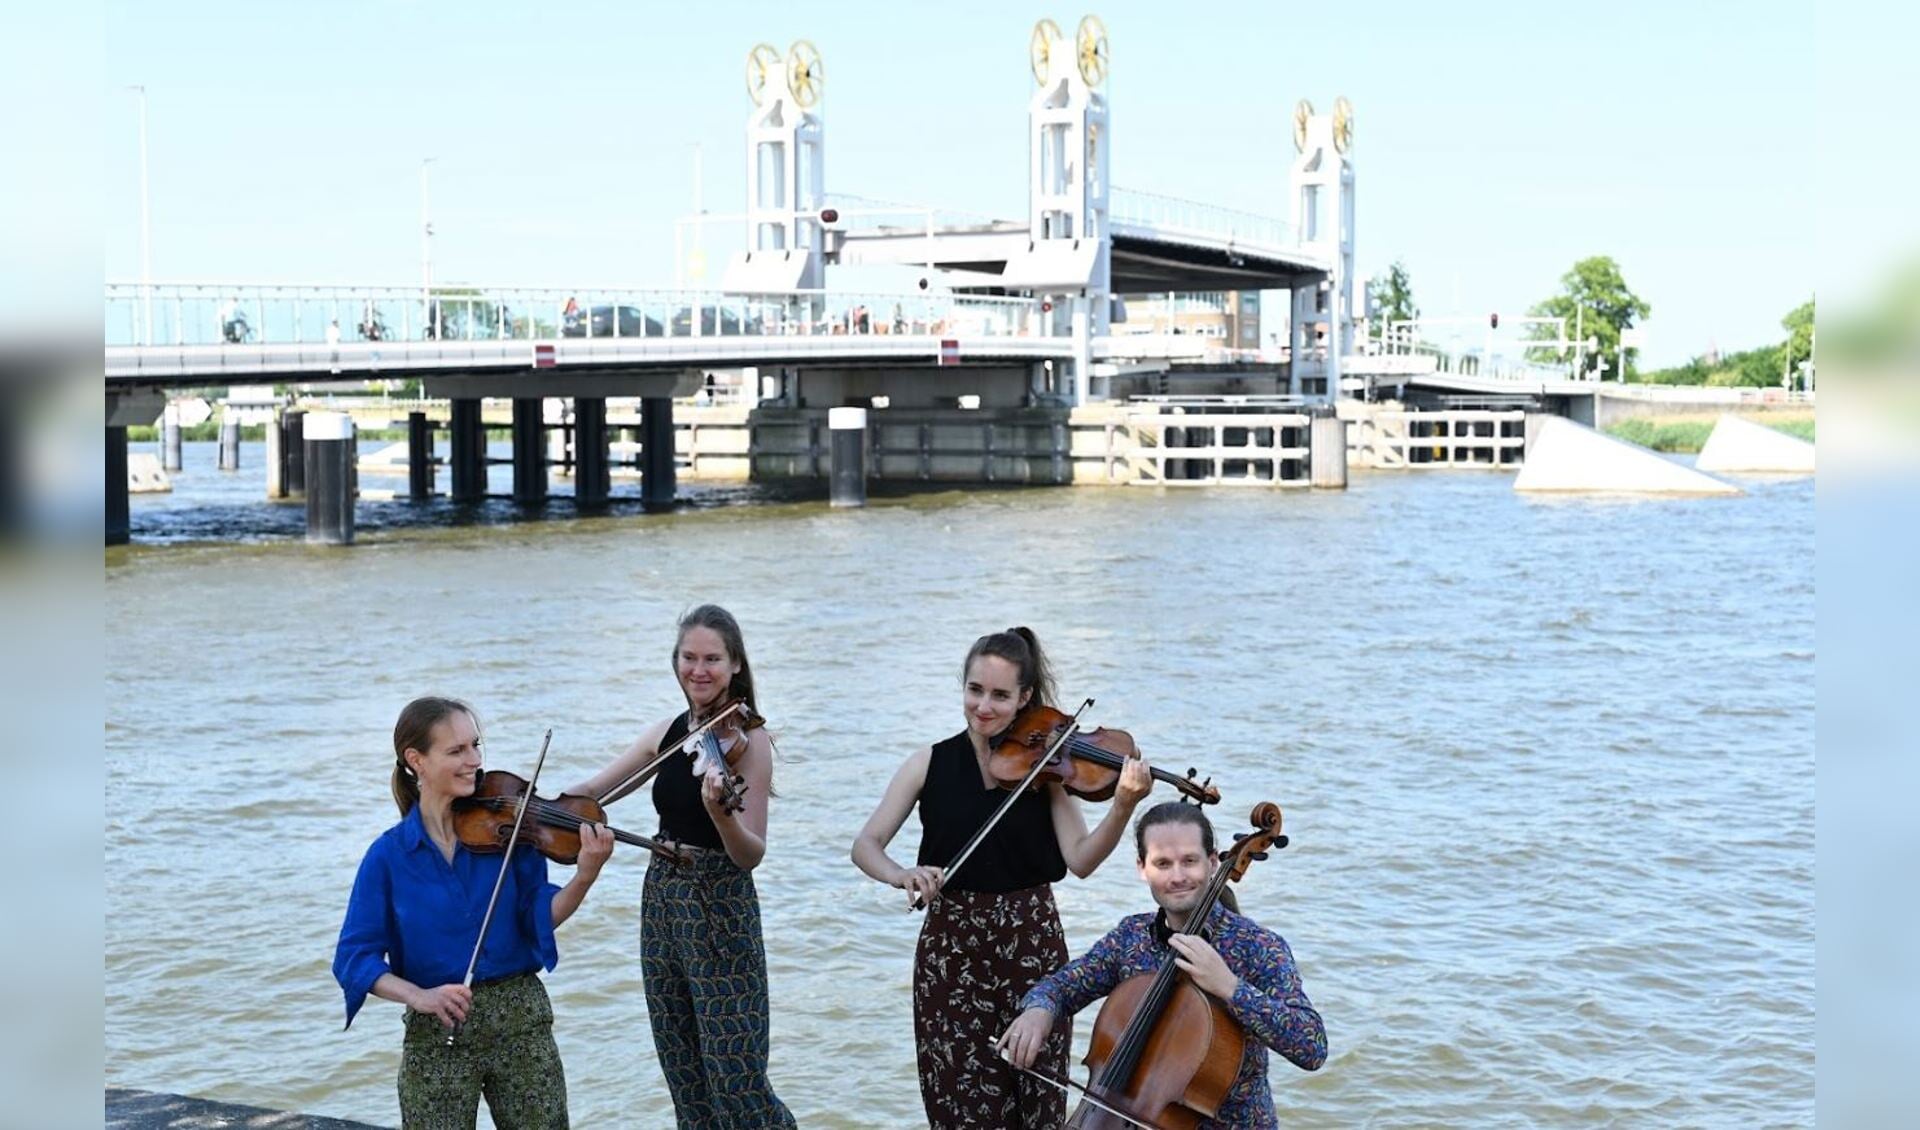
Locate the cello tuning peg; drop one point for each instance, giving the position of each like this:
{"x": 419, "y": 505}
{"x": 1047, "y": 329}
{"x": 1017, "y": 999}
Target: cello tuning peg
{"x": 1238, "y": 836}
{"x": 1280, "y": 841}
{"x": 1192, "y": 772}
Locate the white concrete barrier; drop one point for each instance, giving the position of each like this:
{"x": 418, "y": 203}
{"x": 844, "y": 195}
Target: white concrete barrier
{"x": 1738, "y": 445}
{"x": 144, "y": 475}
{"x": 1566, "y": 456}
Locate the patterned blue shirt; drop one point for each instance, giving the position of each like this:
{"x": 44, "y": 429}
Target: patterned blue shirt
{"x": 1269, "y": 1004}
{"x": 414, "y": 914}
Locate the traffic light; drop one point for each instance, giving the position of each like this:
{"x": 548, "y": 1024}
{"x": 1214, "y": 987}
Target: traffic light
{"x": 1493, "y": 321}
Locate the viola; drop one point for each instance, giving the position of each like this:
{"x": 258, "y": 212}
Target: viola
{"x": 484, "y": 821}
{"x": 1164, "y": 1053}
{"x": 1087, "y": 764}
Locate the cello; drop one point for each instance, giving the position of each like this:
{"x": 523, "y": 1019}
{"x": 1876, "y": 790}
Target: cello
{"x": 1164, "y": 1053}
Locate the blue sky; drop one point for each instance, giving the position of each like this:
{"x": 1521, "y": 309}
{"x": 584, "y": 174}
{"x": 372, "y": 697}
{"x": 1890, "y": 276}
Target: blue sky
{"x": 1495, "y": 145}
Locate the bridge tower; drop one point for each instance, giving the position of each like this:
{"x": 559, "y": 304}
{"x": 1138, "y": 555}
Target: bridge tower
{"x": 1322, "y": 184}
{"x": 785, "y": 174}
{"x": 1069, "y": 252}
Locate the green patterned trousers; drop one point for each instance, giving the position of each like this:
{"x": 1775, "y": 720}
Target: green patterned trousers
{"x": 705, "y": 969}
{"x": 505, "y": 1051}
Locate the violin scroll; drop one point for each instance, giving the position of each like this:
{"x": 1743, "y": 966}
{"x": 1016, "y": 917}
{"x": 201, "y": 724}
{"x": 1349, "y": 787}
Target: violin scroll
{"x": 1249, "y": 846}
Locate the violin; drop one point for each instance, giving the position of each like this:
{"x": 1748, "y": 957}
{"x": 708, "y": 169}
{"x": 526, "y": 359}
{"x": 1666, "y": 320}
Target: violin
{"x": 719, "y": 743}
{"x": 484, "y": 821}
{"x": 1164, "y": 1053}
{"x": 1087, "y": 764}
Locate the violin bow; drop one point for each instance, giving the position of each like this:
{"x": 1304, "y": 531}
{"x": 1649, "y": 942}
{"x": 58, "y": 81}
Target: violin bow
{"x": 506, "y": 861}
{"x": 1072, "y": 727}
{"x": 641, "y": 775}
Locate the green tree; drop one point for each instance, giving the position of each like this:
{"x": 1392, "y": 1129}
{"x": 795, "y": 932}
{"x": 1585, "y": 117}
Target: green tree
{"x": 1799, "y": 326}
{"x": 1391, "y": 298}
{"x": 1595, "y": 302}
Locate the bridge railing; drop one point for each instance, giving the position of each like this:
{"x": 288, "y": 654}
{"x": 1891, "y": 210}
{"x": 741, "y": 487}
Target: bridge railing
{"x": 214, "y": 314}
{"x": 1400, "y": 341}
{"x": 1171, "y": 215}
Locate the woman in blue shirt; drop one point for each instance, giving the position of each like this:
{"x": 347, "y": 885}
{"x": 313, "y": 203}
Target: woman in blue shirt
{"x": 410, "y": 928}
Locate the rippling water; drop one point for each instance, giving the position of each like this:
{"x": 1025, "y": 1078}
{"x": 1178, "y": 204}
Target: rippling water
{"x": 1547, "y": 767}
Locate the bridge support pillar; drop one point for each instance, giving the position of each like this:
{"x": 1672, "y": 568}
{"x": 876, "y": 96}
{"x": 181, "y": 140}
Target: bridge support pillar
{"x": 119, "y": 517}
{"x": 467, "y": 443}
{"x": 229, "y": 442}
{"x": 170, "y": 439}
{"x": 849, "y": 455}
{"x": 276, "y": 458}
{"x": 656, "y": 453}
{"x": 529, "y": 451}
{"x": 327, "y": 440}
{"x": 293, "y": 475}
{"x": 592, "y": 477}
{"x": 419, "y": 457}
{"x": 1327, "y": 447}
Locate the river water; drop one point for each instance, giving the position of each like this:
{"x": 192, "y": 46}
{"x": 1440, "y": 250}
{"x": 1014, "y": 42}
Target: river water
{"x": 1547, "y": 766}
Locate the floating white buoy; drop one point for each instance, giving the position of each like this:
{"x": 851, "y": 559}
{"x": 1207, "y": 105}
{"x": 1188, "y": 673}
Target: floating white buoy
{"x": 1738, "y": 445}
{"x": 1566, "y": 456}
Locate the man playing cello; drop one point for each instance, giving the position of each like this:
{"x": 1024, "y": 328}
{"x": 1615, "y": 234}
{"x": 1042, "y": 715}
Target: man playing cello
{"x": 1247, "y": 968}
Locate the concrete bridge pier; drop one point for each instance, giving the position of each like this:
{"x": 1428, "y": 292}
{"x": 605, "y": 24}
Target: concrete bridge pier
{"x": 170, "y": 460}
{"x": 229, "y": 442}
{"x": 529, "y": 454}
{"x": 468, "y": 450}
{"x": 592, "y": 475}
{"x": 119, "y": 508}
{"x": 656, "y": 453}
{"x": 123, "y": 408}
{"x": 419, "y": 457}
{"x": 293, "y": 447}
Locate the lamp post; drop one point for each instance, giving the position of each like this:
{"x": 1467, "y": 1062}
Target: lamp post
{"x": 146, "y": 229}
{"x": 426, "y": 245}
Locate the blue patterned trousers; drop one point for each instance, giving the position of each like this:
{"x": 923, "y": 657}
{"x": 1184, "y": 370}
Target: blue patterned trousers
{"x": 705, "y": 969}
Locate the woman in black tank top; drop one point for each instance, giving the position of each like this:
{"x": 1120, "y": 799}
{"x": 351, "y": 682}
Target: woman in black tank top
{"x": 992, "y": 928}
{"x": 702, "y": 958}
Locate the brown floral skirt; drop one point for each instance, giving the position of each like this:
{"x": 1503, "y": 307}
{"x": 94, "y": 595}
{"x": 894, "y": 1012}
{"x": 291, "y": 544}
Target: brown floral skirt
{"x": 978, "y": 955}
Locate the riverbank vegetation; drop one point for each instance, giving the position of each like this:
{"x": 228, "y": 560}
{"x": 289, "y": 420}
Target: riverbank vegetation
{"x": 1688, "y": 434}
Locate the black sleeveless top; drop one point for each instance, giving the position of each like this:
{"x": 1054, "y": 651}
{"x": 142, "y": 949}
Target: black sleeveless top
{"x": 676, "y": 795}
{"x": 1022, "y": 851}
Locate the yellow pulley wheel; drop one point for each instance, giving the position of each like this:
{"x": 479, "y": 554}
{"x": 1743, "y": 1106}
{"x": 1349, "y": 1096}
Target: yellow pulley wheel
{"x": 1090, "y": 45}
{"x": 805, "y": 76}
{"x": 1040, "y": 49}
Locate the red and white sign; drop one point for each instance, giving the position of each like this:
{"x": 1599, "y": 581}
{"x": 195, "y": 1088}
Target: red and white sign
{"x": 543, "y": 355}
{"x": 949, "y": 351}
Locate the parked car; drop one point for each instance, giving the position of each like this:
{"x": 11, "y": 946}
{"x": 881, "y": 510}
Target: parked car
{"x": 727, "y": 323}
{"x": 604, "y": 321}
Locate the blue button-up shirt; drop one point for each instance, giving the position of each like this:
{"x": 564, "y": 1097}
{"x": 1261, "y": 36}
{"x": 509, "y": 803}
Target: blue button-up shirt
{"x": 415, "y": 915}
{"x": 1269, "y": 1004}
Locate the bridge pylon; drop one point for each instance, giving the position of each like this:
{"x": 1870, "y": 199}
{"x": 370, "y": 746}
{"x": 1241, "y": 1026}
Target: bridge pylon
{"x": 1069, "y": 251}
{"x": 785, "y": 174}
{"x": 1322, "y": 185}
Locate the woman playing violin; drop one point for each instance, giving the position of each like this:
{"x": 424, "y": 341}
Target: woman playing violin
{"x": 701, "y": 954}
{"x": 412, "y": 924}
{"x": 992, "y": 927}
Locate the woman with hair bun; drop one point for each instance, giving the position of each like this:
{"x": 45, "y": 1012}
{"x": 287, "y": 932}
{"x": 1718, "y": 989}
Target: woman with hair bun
{"x": 414, "y": 918}
{"x": 992, "y": 927}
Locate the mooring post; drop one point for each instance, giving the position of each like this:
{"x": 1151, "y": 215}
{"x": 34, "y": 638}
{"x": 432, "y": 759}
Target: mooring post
{"x": 1327, "y": 449}
{"x": 119, "y": 506}
{"x": 327, "y": 439}
{"x": 229, "y": 440}
{"x": 529, "y": 451}
{"x": 592, "y": 477}
{"x": 419, "y": 457}
{"x": 656, "y": 453}
{"x": 467, "y": 444}
{"x": 848, "y": 455}
{"x": 170, "y": 439}
{"x": 295, "y": 473}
